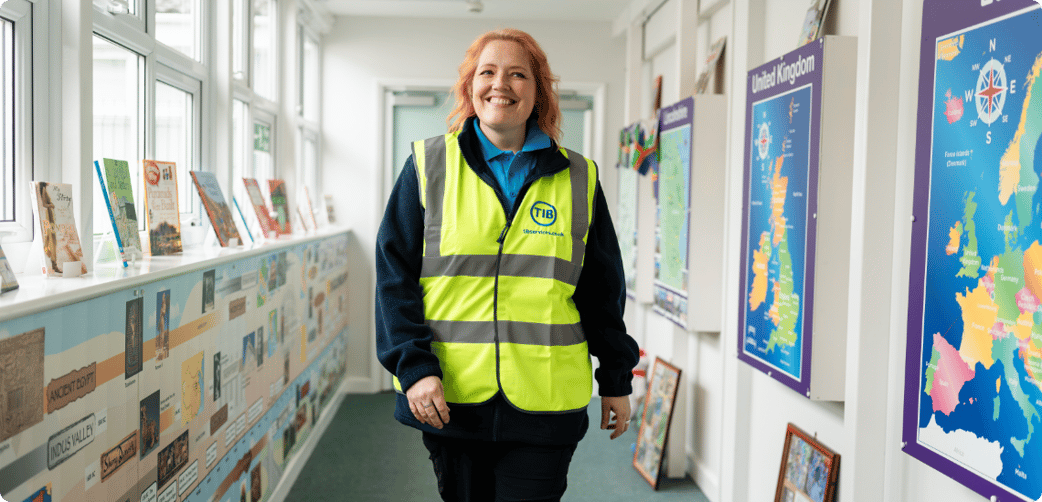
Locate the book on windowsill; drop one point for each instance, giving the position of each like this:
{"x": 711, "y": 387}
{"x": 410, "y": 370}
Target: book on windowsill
{"x": 259, "y": 206}
{"x": 216, "y": 207}
{"x": 162, "y": 213}
{"x": 8, "y": 281}
{"x": 330, "y": 210}
{"x": 52, "y": 205}
{"x": 309, "y": 209}
{"x": 813, "y": 22}
{"x": 116, "y": 177}
{"x": 280, "y": 204}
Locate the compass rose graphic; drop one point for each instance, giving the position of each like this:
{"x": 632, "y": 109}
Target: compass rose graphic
{"x": 764, "y": 140}
{"x": 991, "y": 91}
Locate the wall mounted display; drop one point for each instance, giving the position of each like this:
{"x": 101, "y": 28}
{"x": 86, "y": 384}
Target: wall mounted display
{"x": 625, "y": 219}
{"x": 162, "y": 213}
{"x": 809, "y": 470}
{"x": 799, "y": 135}
{"x": 673, "y": 192}
{"x": 93, "y": 411}
{"x": 654, "y": 422}
{"x": 973, "y": 376}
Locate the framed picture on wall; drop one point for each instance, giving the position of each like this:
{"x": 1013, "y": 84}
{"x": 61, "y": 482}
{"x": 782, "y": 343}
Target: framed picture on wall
{"x": 654, "y": 423}
{"x": 809, "y": 470}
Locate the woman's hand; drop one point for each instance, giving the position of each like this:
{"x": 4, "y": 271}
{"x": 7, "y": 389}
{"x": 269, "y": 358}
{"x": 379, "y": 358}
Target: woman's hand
{"x": 621, "y": 407}
{"x": 427, "y": 402}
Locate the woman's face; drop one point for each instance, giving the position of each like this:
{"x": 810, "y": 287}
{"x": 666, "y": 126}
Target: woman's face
{"x": 503, "y": 89}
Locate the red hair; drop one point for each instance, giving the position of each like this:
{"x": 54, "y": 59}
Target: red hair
{"x": 546, "y": 110}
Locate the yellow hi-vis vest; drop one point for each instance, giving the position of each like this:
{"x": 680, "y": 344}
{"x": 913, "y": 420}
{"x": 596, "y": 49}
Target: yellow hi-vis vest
{"x": 498, "y": 296}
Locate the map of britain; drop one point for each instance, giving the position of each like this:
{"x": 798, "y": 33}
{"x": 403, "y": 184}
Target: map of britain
{"x": 776, "y": 242}
{"x": 980, "y": 403}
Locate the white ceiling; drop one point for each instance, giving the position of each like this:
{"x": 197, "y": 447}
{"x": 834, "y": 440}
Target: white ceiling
{"x": 572, "y": 10}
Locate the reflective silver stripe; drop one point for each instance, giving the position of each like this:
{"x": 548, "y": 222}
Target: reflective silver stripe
{"x": 434, "y": 167}
{"x": 526, "y": 333}
{"x": 580, "y": 177}
{"x": 546, "y": 267}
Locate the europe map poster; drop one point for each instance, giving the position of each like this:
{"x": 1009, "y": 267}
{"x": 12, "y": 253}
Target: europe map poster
{"x": 673, "y": 193}
{"x": 783, "y": 117}
{"x": 973, "y": 402}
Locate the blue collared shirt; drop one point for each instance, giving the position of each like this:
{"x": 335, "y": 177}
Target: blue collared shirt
{"x": 509, "y": 168}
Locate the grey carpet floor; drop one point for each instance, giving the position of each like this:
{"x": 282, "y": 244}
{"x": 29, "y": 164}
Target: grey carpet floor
{"x": 367, "y": 456}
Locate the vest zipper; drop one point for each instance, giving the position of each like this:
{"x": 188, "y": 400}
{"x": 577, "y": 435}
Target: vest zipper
{"x": 495, "y": 304}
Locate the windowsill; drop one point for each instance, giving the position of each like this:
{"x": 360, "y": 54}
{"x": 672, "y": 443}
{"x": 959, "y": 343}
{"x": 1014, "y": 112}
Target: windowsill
{"x": 37, "y": 293}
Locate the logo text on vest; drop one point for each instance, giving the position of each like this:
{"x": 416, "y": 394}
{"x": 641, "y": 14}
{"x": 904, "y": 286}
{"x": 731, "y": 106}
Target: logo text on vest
{"x": 543, "y": 214}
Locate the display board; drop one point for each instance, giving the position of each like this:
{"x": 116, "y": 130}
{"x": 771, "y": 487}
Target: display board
{"x": 626, "y": 227}
{"x": 673, "y": 193}
{"x": 973, "y": 404}
{"x": 780, "y": 187}
{"x": 196, "y": 387}
{"x": 796, "y": 216}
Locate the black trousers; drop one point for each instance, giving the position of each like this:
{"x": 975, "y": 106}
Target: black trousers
{"x": 500, "y": 471}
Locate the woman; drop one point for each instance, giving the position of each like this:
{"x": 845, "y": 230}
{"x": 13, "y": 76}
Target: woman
{"x": 498, "y": 275}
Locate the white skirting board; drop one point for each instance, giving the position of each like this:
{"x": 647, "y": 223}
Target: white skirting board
{"x": 296, "y": 464}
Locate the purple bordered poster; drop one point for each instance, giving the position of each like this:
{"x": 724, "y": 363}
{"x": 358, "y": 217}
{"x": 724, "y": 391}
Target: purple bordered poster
{"x": 973, "y": 404}
{"x": 783, "y": 122}
{"x": 673, "y": 193}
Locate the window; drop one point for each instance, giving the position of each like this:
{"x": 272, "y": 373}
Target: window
{"x": 177, "y": 25}
{"x": 309, "y": 78}
{"x": 309, "y": 163}
{"x": 118, "y": 83}
{"x": 7, "y": 109}
{"x": 16, "y": 119}
{"x": 240, "y": 37}
{"x": 262, "y": 152}
{"x": 176, "y": 127}
{"x": 264, "y": 48}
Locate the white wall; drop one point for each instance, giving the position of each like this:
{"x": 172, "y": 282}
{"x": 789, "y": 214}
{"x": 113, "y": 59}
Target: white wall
{"x": 359, "y": 51}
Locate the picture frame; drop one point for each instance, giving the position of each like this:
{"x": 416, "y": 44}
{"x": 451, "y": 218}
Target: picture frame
{"x": 663, "y": 382}
{"x": 809, "y": 470}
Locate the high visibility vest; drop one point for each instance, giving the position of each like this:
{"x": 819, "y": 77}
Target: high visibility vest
{"x": 498, "y": 297}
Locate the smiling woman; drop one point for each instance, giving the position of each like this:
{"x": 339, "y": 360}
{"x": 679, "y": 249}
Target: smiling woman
{"x": 498, "y": 276}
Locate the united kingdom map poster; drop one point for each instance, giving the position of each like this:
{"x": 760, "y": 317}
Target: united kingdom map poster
{"x": 973, "y": 402}
{"x": 783, "y": 114}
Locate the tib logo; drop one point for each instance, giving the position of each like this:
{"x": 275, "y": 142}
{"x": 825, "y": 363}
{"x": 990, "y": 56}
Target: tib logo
{"x": 543, "y": 214}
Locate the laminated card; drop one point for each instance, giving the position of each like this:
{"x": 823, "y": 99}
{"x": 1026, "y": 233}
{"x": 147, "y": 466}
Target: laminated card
{"x": 163, "y": 215}
{"x": 61, "y": 241}
{"x": 281, "y": 206}
{"x": 121, "y": 199}
{"x": 216, "y": 207}
{"x": 257, "y": 200}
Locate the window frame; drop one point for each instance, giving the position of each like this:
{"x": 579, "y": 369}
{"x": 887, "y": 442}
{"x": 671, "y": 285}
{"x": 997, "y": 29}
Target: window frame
{"x": 190, "y": 208}
{"x": 29, "y": 108}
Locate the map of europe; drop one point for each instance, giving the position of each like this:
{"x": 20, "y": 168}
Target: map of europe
{"x": 980, "y": 403}
{"x": 776, "y": 242}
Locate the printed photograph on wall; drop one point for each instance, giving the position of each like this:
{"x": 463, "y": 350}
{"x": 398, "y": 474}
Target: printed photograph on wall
{"x": 809, "y": 470}
{"x": 260, "y": 346}
{"x": 149, "y": 424}
{"x": 654, "y": 423}
{"x": 208, "y": 290}
{"x": 249, "y": 348}
{"x": 133, "y": 346}
{"x": 21, "y": 365}
{"x": 172, "y": 458}
{"x": 162, "y": 325}
{"x": 216, "y": 376}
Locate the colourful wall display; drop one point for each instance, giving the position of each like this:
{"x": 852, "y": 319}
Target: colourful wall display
{"x": 783, "y": 122}
{"x": 197, "y": 387}
{"x": 973, "y": 382}
{"x": 625, "y": 218}
{"x": 673, "y": 192}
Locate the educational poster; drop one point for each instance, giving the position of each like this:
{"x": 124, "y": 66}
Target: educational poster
{"x": 779, "y": 202}
{"x": 974, "y": 360}
{"x": 625, "y": 217}
{"x": 673, "y": 192}
{"x": 85, "y": 416}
